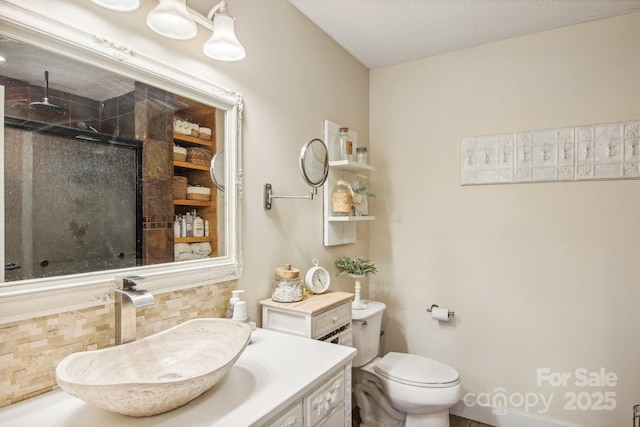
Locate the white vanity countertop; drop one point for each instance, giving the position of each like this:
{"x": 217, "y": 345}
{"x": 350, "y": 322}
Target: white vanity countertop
{"x": 273, "y": 371}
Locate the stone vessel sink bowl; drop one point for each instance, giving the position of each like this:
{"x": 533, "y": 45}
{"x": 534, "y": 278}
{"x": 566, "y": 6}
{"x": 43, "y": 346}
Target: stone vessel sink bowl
{"x": 157, "y": 373}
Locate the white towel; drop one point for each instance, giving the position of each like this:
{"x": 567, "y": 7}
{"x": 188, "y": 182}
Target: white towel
{"x": 201, "y": 250}
{"x": 181, "y": 248}
{"x": 186, "y": 256}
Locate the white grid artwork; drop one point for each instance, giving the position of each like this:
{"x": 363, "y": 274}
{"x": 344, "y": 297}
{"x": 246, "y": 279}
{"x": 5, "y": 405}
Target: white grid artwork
{"x": 606, "y": 151}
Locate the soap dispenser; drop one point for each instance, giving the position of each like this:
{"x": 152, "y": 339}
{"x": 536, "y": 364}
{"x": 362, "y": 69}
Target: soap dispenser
{"x": 235, "y": 297}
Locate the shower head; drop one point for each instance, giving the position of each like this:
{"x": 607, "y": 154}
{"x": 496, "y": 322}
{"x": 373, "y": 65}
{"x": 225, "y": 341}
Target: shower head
{"x": 45, "y": 105}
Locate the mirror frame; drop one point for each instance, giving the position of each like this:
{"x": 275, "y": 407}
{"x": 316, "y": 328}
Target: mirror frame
{"x": 307, "y": 147}
{"x": 36, "y": 297}
{"x": 215, "y": 172}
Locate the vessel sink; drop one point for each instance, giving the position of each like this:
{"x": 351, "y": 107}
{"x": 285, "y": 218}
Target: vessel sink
{"x": 157, "y": 373}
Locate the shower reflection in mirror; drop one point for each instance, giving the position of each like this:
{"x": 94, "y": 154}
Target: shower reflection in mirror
{"x": 88, "y": 167}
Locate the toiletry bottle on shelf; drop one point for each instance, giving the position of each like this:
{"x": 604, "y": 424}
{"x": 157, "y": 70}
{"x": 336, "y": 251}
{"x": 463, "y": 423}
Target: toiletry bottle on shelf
{"x": 206, "y": 228}
{"x": 198, "y": 225}
{"x": 183, "y": 226}
{"x": 344, "y": 145}
{"x": 361, "y": 155}
{"x": 176, "y": 226}
{"x": 235, "y": 297}
{"x": 189, "y": 222}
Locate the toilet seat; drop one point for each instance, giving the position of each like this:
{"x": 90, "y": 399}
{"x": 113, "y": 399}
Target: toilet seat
{"x": 416, "y": 371}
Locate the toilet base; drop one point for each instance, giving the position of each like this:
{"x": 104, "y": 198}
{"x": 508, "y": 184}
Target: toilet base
{"x": 375, "y": 410}
{"x": 435, "y": 419}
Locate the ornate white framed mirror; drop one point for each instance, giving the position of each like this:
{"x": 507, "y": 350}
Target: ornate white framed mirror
{"x": 74, "y": 102}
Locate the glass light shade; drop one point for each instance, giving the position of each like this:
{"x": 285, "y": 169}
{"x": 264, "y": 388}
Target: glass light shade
{"x": 119, "y": 5}
{"x": 223, "y": 44}
{"x": 172, "y": 19}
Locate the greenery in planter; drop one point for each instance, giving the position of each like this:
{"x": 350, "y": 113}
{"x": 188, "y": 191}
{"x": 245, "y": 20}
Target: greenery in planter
{"x": 359, "y": 266}
{"x": 360, "y": 187}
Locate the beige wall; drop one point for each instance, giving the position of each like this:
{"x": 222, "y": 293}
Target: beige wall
{"x": 539, "y": 275}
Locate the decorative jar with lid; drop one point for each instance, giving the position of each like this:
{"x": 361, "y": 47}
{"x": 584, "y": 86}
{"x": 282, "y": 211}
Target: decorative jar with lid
{"x": 287, "y": 286}
{"x": 341, "y": 199}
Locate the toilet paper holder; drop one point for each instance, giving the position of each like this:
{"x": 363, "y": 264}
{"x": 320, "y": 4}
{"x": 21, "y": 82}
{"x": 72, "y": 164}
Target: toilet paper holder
{"x": 429, "y": 310}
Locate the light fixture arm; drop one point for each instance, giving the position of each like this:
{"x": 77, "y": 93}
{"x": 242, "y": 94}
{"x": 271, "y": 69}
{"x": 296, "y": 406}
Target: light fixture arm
{"x": 222, "y": 7}
{"x": 206, "y": 21}
{"x": 201, "y": 19}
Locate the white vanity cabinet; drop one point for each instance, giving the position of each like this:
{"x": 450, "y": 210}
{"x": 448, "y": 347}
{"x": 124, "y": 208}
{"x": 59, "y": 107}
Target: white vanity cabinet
{"x": 279, "y": 380}
{"x": 291, "y": 417}
{"x": 328, "y": 405}
{"x": 324, "y": 317}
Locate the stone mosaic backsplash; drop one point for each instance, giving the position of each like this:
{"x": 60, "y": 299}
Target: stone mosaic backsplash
{"x": 31, "y": 349}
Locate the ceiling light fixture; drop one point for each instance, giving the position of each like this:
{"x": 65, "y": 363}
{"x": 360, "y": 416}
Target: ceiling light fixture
{"x": 119, "y": 5}
{"x": 223, "y": 44}
{"x": 174, "y": 19}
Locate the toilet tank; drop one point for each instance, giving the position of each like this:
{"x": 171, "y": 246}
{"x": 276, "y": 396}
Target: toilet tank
{"x": 366, "y": 325}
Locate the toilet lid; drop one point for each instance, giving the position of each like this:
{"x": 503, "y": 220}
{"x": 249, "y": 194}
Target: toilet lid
{"x": 416, "y": 370}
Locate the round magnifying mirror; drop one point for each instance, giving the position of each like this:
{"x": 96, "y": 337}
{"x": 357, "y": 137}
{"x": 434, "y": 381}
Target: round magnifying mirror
{"x": 217, "y": 170}
{"x": 314, "y": 162}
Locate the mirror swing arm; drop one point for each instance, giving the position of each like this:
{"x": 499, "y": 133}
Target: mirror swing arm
{"x": 269, "y": 196}
{"x": 314, "y": 166}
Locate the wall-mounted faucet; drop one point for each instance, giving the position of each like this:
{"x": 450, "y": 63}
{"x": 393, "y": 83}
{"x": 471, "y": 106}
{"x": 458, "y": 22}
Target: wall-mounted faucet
{"x": 128, "y": 299}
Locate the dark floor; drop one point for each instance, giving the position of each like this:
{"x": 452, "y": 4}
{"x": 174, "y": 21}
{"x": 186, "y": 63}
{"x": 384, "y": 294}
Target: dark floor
{"x": 454, "y": 421}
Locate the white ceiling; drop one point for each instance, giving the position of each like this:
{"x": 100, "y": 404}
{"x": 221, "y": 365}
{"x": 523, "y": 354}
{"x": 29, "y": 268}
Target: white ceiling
{"x": 387, "y": 32}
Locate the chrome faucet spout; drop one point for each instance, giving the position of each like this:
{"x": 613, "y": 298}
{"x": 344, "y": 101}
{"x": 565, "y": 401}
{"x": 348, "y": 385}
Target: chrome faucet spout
{"x": 139, "y": 298}
{"x": 127, "y": 300}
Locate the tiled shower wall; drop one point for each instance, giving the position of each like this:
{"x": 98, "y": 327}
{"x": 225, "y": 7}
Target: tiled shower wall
{"x": 146, "y": 114}
{"x": 31, "y": 349}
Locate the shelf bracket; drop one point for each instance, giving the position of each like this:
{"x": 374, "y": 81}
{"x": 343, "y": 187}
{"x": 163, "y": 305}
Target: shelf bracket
{"x": 269, "y": 196}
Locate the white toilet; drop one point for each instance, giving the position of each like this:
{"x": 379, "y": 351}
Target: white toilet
{"x": 398, "y": 389}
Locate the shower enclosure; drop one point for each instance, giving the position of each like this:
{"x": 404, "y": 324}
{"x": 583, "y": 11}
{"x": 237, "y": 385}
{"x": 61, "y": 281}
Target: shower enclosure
{"x": 72, "y": 200}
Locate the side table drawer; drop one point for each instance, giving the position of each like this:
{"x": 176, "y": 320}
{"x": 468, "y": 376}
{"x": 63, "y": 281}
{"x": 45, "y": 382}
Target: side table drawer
{"x": 291, "y": 322}
{"x": 331, "y": 319}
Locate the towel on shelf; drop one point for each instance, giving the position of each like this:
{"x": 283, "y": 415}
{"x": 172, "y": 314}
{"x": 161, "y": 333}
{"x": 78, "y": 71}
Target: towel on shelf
{"x": 202, "y": 249}
{"x": 186, "y": 256}
{"x": 180, "y": 248}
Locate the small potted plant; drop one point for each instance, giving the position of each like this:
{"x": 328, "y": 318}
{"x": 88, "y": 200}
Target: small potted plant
{"x": 357, "y": 268}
